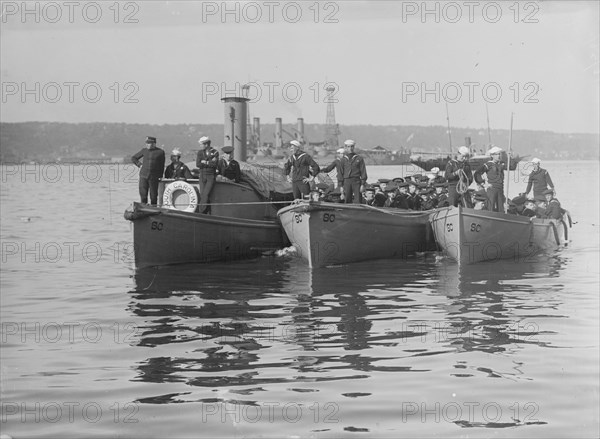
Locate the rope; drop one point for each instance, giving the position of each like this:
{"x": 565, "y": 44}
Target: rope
{"x": 463, "y": 182}
{"x": 239, "y": 204}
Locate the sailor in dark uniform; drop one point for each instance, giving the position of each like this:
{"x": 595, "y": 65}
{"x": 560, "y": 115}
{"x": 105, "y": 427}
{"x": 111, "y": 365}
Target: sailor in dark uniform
{"x": 152, "y": 166}
{"x": 369, "y": 196}
{"x": 354, "y": 172}
{"x": 413, "y": 199}
{"x": 494, "y": 171}
{"x": 302, "y": 168}
{"x": 228, "y": 167}
{"x": 426, "y": 201}
{"x": 553, "y": 209}
{"x": 530, "y": 209}
{"x": 177, "y": 169}
{"x": 539, "y": 180}
{"x": 207, "y": 161}
{"x": 402, "y": 197}
{"x": 458, "y": 172}
{"x": 439, "y": 197}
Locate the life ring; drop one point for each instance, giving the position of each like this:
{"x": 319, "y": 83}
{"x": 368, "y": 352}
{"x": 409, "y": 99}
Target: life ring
{"x": 180, "y": 195}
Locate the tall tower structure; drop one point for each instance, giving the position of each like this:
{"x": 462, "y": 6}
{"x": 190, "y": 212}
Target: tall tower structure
{"x": 332, "y": 129}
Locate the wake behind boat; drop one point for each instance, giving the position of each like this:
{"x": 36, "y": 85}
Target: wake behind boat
{"x": 333, "y": 233}
{"x": 469, "y": 236}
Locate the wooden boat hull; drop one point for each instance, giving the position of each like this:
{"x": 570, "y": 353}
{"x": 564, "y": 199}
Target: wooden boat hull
{"x": 469, "y": 236}
{"x": 333, "y": 234}
{"x": 163, "y": 236}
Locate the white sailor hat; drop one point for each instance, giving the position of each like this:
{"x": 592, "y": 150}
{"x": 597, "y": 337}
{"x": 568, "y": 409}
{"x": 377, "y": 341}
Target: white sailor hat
{"x": 435, "y": 170}
{"x": 295, "y": 143}
{"x": 463, "y": 150}
{"x": 494, "y": 150}
{"x": 176, "y": 151}
{"x": 349, "y": 142}
{"x": 340, "y": 150}
{"x": 536, "y": 160}
{"x": 204, "y": 139}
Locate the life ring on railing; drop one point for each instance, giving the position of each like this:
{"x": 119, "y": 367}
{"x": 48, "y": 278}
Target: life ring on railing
{"x": 180, "y": 195}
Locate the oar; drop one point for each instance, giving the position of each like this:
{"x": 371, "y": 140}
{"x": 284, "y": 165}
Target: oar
{"x": 508, "y": 165}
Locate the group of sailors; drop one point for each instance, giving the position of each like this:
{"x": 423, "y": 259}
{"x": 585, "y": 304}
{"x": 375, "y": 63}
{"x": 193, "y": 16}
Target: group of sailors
{"x": 438, "y": 188}
{"x": 151, "y": 161}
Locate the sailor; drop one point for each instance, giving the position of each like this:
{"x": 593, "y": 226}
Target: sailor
{"x": 380, "y": 197}
{"x": 207, "y": 161}
{"x": 426, "y": 202}
{"x": 437, "y": 177}
{"x": 459, "y": 176}
{"x": 479, "y": 199}
{"x": 369, "y": 195}
{"x": 303, "y": 169}
{"x": 228, "y": 167}
{"x": 152, "y": 166}
{"x": 413, "y": 200}
{"x": 553, "y": 209}
{"x": 391, "y": 194}
{"x": 402, "y": 197}
{"x": 354, "y": 173}
{"x": 530, "y": 209}
{"x": 539, "y": 179}
{"x": 439, "y": 196}
{"x": 335, "y": 164}
{"x": 494, "y": 171}
{"x": 177, "y": 169}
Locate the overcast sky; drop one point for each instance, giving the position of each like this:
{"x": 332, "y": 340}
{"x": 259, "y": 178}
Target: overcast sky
{"x": 391, "y": 62}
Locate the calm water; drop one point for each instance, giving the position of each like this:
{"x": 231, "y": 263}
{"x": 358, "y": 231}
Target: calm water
{"x": 414, "y": 348}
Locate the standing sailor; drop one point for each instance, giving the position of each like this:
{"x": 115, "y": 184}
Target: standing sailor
{"x": 494, "y": 171}
{"x": 459, "y": 176}
{"x": 303, "y": 169}
{"x": 207, "y": 161}
{"x": 151, "y": 171}
{"x": 354, "y": 173}
{"x": 540, "y": 180}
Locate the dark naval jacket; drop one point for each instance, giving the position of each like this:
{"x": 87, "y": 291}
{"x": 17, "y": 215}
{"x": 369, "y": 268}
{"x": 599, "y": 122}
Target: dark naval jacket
{"x": 301, "y": 165}
{"x": 209, "y": 155}
{"x": 230, "y": 170}
{"x": 178, "y": 170}
{"x": 494, "y": 172}
{"x": 540, "y": 180}
{"x": 353, "y": 166}
{"x": 452, "y": 173}
{"x": 153, "y": 162}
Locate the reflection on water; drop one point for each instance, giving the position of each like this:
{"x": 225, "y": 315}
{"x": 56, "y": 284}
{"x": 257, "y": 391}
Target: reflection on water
{"x": 277, "y": 321}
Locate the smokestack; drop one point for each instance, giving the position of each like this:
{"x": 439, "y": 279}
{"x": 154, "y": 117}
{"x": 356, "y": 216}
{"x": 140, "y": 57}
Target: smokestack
{"x": 235, "y": 126}
{"x": 468, "y": 142}
{"x": 300, "y": 130}
{"x": 256, "y": 123}
{"x": 278, "y": 131}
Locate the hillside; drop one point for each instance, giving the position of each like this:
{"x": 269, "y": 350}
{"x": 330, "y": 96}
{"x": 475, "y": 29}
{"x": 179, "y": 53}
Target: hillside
{"x": 43, "y": 141}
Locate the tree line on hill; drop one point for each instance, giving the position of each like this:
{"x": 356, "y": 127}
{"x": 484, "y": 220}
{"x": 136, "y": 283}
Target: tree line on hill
{"x": 56, "y": 141}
